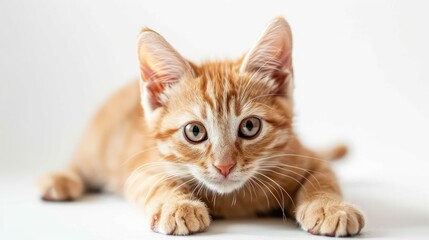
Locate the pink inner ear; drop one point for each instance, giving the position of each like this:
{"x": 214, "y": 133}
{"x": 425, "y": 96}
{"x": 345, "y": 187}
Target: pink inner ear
{"x": 280, "y": 75}
{"x": 154, "y": 89}
{"x": 285, "y": 59}
{"x": 155, "y": 84}
{"x": 282, "y": 78}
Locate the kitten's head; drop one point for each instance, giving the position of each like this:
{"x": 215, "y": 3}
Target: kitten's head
{"x": 218, "y": 121}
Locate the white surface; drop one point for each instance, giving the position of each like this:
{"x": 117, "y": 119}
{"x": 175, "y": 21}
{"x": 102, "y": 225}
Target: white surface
{"x": 361, "y": 77}
{"x": 393, "y": 211}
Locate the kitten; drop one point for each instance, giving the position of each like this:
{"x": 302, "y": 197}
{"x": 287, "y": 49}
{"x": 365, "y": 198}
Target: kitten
{"x": 212, "y": 139}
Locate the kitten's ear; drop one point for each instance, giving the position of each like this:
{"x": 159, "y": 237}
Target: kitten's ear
{"x": 160, "y": 67}
{"x": 272, "y": 55}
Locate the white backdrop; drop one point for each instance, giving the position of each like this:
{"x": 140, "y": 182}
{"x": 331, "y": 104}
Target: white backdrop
{"x": 361, "y": 77}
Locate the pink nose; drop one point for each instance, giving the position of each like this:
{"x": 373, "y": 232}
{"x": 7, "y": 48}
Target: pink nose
{"x": 224, "y": 169}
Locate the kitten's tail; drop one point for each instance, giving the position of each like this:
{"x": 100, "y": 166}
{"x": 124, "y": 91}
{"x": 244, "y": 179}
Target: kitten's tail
{"x": 333, "y": 153}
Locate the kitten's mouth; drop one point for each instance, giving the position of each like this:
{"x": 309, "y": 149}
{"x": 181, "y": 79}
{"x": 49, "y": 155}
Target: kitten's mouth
{"x": 221, "y": 184}
{"x": 225, "y": 181}
{"x": 224, "y": 185}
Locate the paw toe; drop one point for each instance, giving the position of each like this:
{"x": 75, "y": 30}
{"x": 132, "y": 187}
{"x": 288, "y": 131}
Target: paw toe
{"x": 183, "y": 218}
{"x": 330, "y": 219}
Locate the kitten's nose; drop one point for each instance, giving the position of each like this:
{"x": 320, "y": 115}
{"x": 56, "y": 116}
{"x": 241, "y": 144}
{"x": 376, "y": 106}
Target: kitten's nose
{"x": 224, "y": 169}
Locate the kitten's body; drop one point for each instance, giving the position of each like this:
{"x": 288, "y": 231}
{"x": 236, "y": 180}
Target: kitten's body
{"x": 150, "y": 163}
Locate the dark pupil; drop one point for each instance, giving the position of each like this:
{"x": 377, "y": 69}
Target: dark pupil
{"x": 195, "y": 131}
{"x": 249, "y": 125}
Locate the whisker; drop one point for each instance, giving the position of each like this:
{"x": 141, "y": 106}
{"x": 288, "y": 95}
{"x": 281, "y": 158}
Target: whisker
{"x": 279, "y": 193}
{"x": 234, "y": 200}
{"x": 277, "y": 165}
{"x": 195, "y": 188}
{"x": 302, "y": 176}
{"x": 257, "y": 184}
{"x": 201, "y": 187}
{"x": 250, "y": 189}
{"x": 264, "y": 184}
{"x": 214, "y": 199}
{"x": 281, "y": 188}
{"x": 285, "y": 175}
{"x": 206, "y": 192}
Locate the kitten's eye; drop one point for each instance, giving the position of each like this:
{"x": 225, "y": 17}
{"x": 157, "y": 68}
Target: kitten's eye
{"x": 195, "y": 132}
{"x": 249, "y": 127}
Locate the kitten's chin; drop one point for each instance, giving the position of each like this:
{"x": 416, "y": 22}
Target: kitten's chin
{"x": 224, "y": 186}
{"x": 219, "y": 184}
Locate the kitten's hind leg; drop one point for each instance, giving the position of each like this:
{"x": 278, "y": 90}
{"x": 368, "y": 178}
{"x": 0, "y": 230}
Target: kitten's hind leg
{"x": 61, "y": 186}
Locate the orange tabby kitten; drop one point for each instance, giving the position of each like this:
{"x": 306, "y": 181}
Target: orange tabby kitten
{"x": 212, "y": 139}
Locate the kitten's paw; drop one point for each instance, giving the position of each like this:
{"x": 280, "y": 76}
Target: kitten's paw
{"x": 329, "y": 217}
{"x": 60, "y": 186}
{"x": 181, "y": 218}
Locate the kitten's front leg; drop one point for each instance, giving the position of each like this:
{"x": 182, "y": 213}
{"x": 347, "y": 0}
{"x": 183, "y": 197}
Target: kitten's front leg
{"x": 321, "y": 210}
{"x": 168, "y": 205}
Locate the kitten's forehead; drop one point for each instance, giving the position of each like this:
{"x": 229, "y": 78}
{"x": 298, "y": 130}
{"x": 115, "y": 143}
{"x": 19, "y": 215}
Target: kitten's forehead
{"x": 221, "y": 91}
{"x": 221, "y": 96}
{"x": 224, "y": 88}
{"x": 218, "y": 83}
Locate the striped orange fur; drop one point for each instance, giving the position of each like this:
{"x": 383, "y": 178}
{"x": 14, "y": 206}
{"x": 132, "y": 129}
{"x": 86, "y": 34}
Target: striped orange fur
{"x": 189, "y": 141}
